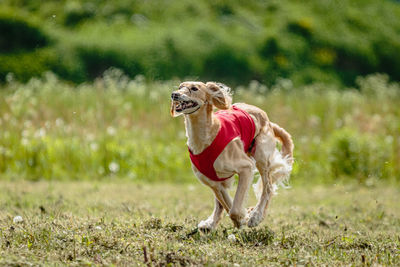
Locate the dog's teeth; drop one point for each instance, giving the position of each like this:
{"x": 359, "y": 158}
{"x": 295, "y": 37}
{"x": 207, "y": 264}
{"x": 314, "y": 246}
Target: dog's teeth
{"x": 178, "y": 106}
{"x": 182, "y": 105}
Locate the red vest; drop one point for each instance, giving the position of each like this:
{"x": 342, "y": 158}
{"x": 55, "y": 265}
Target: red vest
{"x": 234, "y": 122}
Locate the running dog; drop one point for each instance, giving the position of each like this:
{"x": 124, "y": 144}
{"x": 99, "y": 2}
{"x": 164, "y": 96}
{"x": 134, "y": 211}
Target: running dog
{"x": 234, "y": 140}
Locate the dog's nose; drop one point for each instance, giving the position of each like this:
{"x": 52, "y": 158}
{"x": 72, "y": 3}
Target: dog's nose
{"x": 175, "y": 96}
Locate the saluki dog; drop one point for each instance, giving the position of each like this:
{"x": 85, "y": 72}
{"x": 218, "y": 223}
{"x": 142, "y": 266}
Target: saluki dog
{"x": 234, "y": 140}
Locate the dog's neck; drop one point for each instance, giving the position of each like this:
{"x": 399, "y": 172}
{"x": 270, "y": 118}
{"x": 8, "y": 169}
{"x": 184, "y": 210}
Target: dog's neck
{"x": 201, "y": 129}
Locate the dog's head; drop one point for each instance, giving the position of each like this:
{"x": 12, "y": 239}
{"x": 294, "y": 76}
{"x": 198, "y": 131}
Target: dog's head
{"x": 192, "y": 96}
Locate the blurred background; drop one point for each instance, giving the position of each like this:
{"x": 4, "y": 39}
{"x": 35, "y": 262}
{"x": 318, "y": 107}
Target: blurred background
{"x": 85, "y": 85}
{"x": 235, "y": 41}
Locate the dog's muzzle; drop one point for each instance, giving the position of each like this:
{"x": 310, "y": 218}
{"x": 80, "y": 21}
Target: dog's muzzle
{"x": 184, "y": 105}
{"x": 175, "y": 96}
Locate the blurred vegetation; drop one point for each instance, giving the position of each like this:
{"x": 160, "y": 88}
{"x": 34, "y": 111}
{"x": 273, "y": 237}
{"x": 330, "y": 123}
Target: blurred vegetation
{"x": 327, "y": 41}
{"x": 118, "y": 127}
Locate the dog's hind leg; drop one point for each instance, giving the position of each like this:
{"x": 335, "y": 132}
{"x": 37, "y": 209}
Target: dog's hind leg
{"x": 238, "y": 212}
{"x": 265, "y": 147}
{"x": 256, "y": 216}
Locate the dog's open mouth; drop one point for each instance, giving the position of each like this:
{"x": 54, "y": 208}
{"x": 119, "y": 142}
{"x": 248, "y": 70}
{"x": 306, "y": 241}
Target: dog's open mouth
{"x": 180, "y": 106}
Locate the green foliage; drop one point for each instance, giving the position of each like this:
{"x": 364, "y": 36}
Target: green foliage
{"x": 312, "y": 41}
{"x": 24, "y": 46}
{"x": 19, "y": 33}
{"x": 77, "y": 12}
{"x": 359, "y": 156}
{"x": 24, "y": 65}
{"x": 81, "y": 132}
{"x": 117, "y": 127}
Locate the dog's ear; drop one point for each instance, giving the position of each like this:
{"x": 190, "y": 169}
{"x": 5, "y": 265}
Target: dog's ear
{"x": 220, "y": 95}
{"x": 172, "y": 111}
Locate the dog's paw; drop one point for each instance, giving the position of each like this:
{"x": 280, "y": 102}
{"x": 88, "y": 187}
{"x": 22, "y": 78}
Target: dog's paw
{"x": 250, "y": 209}
{"x": 255, "y": 218}
{"x": 206, "y": 225}
{"x": 238, "y": 220}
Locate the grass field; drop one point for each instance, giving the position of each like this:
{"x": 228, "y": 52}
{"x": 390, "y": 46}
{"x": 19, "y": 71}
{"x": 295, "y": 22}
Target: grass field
{"x": 99, "y": 174}
{"x": 123, "y": 223}
{"x": 94, "y": 171}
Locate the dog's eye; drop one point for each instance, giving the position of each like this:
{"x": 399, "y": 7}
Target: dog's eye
{"x": 194, "y": 89}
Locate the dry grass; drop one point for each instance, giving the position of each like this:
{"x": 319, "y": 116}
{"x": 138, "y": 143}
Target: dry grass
{"x": 81, "y": 223}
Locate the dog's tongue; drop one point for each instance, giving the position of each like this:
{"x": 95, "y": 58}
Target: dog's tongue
{"x": 179, "y": 106}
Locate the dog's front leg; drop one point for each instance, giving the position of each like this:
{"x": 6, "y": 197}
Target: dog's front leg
{"x": 222, "y": 201}
{"x": 223, "y": 197}
{"x": 238, "y": 212}
{"x": 212, "y": 221}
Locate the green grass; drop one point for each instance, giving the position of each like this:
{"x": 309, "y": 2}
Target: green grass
{"x": 81, "y": 223}
{"x": 121, "y": 128}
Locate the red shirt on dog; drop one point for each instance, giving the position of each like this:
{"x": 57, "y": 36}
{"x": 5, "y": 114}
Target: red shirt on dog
{"x": 234, "y": 122}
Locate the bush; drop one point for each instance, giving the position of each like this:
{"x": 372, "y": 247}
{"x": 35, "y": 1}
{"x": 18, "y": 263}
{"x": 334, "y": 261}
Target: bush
{"x": 76, "y": 13}
{"x": 97, "y": 60}
{"x": 24, "y": 65}
{"x": 235, "y": 42}
{"x": 358, "y": 156}
{"x": 18, "y": 33}
{"x": 24, "y": 46}
{"x": 225, "y": 61}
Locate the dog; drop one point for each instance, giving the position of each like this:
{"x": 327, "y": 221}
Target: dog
{"x": 234, "y": 140}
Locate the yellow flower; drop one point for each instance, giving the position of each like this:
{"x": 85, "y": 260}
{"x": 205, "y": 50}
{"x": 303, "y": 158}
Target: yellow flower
{"x": 325, "y": 56}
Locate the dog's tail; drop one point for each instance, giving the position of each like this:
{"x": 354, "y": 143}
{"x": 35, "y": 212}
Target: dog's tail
{"x": 280, "y": 162}
{"x": 286, "y": 140}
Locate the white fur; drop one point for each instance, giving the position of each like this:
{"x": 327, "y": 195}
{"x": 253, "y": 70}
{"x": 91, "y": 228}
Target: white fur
{"x": 280, "y": 169}
{"x": 201, "y": 128}
{"x": 226, "y": 92}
